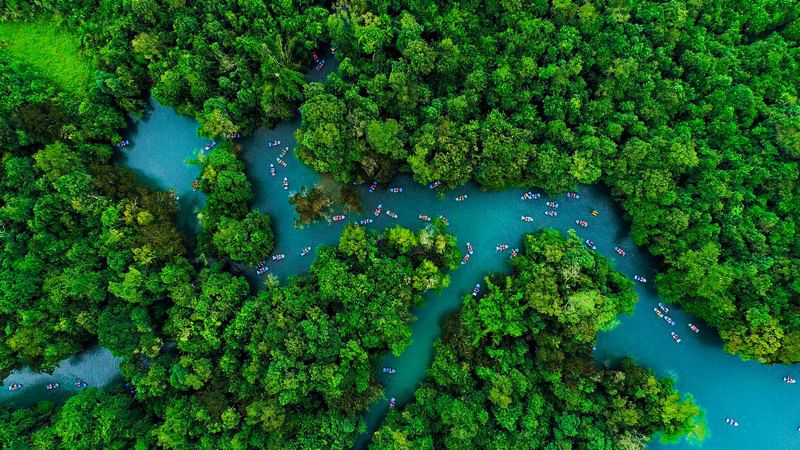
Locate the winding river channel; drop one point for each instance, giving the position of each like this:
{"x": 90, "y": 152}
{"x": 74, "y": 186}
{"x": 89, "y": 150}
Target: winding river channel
{"x": 722, "y": 384}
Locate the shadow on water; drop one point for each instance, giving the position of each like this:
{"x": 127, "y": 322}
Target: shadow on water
{"x": 722, "y": 384}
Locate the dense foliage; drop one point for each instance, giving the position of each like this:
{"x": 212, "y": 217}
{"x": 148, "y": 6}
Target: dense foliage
{"x": 291, "y": 367}
{"x": 83, "y": 249}
{"x": 233, "y": 65}
{"x": 228, "y": 227}
{"x": 689, "y": 110}
{"x": 515, "y": 367}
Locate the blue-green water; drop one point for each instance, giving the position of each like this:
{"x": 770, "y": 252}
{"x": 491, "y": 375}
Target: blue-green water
{"x": 722, "y": 384}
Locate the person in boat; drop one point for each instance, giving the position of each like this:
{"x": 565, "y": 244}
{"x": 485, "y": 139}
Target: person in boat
{"x": 395, "y": 190}
{"x": 80, "y": 384}
{"x": 274, "y": 143}
{"x": 392, "y": 402}
{"x": 552, "y": 204}
{"x": 619, "y": 251}
{"x": 595, "y": 212}
{"x": 434, "y": 185}
{"x": 465, "y": 259}
{"x": 281, "y": 162}
{"x": 694, "y": 328}
{"x": 391, "y": 214}
{"x": 514, "y": 253}
{"x": 590, "y": 244}
{"x": 305, "y": 251}
{"x": 272, "y": 169}
{"x": 675, "y": 337}
{"x": 526, "y": 218}
{"x": 373, "y": 186}
{"x": 501, "y": 247}
{"x": 582, "y": 223}
{"x": 469, "y": 248}
{"x": 15, "y": 387}
{"x": 195, "y": 185}
{"x": 572, "y": 195}
{"x": 378, "y": 210}
{"x": 425, "y": 218}
{"x": 388, "y": 370}
{"x": 338, "y": 217}
{"x": 461, "y": 198}
{"x": 551, "y": 213}
{"x": 663, "y": 308}
{"x": 476, "y": 289}
{"x": 640, "y": 279}
{"x": 444, "y": 220}
{"x": 52, "y": 386}
{"x": 365, "y": 221}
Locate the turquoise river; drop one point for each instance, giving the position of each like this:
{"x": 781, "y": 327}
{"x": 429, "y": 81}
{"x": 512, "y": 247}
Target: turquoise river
{"x": 722, "y": 384}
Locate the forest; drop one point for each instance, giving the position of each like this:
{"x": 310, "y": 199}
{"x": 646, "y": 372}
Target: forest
{"x": 687, "y": 110}
{"x": 515, "y": 369}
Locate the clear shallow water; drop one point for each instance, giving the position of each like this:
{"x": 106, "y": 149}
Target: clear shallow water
{"x": 97, "y": 367}
{"x": 722, "y": 384}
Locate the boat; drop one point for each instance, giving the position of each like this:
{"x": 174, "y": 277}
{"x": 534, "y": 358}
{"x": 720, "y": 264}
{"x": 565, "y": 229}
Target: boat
{"x": 211, "y": 145}
{"x": 195, "y": 185}
{"x": 640, "y": 279}
{"x": 573, "y": 195}
{"x": 789, "y": 380}
{"x": 234, "y": 136}
{"x": 278, "y": 257}
{"x": 281, "y": 162}
{"x": 274, "y": 143}
{"x": 80, "y": 384}
{"x": 465, "y": 259}
{"x": 595, "y": 212}
{"x": 388, "y": 370}
{"x": 396, "y": 190}
{"x": 391, "y": 214}
{"x": 530, "y": 196}
{"x": 285, "y": 183}
{"x": 476, "y": 289}
{"x": 619, "y": 251}
{"x": 663, "y": 308}
{"x": 675, "y": 336}
{"x": 514, "y": 253}
{"x": 469, "y": 248}
{"x": 461, "y": 198}
{"x": 424, "y": 217}
{"x": 582, "y": 223}
{"x": 339, "y": 217}
{"x": 501, "y": 247}
{"x": 379, "y": 209}
{"x": 272, "y": 169}
{"x": 590, "y": 244}
{"x": 444, "y": 220}
{"x": 262, "y": 270}
{"x": 392, "y": 402}
{"x": 658, "y": 312}
{"x": 284, "y": 151}
{"x": 305, "y": 251}
{"x": 552, "y": 204}
{"x": 365, "y": 221}
{"x": 52, "y": 386}
{"x": 526, "y": 218}
{"x": 669, "y": 320}
{"x": 434, "y": 185}
{"x": 551, "y": 213}
{"x": 731, "y": 422}
{"x": 15, "y": 387}
{"x": 121, "y": 144}
{"x": 373, "y": 186}
{"x": 694, "y": 328}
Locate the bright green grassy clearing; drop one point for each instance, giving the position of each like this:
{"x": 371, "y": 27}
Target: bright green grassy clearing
{"x": 51, "y": 50}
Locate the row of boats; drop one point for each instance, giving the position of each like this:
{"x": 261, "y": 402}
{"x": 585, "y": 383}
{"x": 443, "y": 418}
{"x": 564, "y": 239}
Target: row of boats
{"x": 661, "y": 311}
{"x": 50, "y": 387}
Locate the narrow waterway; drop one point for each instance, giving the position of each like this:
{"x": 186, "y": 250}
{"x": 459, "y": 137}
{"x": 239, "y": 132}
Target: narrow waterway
{"x": 722, "y": 384}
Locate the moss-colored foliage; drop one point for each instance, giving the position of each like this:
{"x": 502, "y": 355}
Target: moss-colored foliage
{"x": 515, "y": 369}
{"x": 52, "y": 50}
